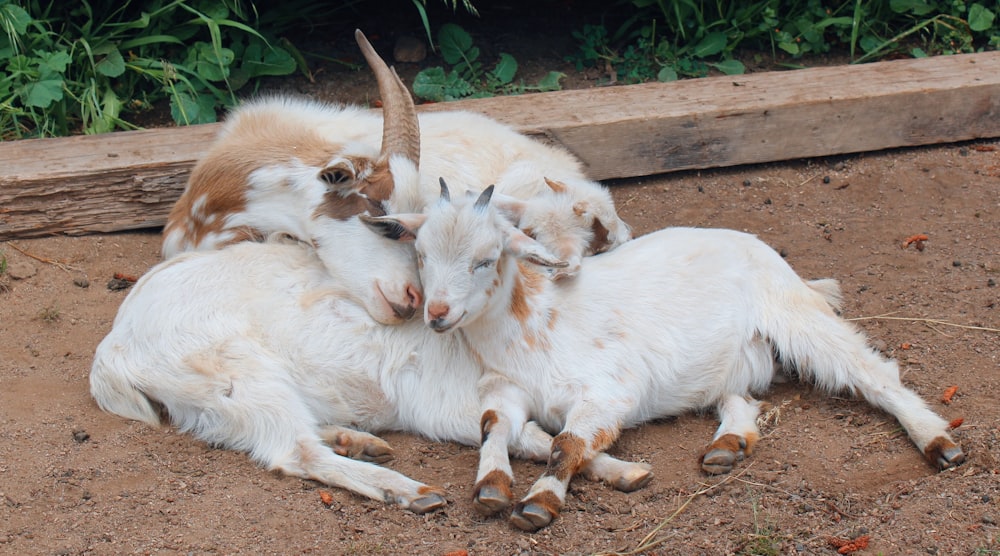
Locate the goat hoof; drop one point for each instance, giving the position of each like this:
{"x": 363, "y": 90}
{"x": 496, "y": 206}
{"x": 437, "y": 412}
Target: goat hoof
{"x": 952, "y": 456}
{"x": 718, "y": 462}
{"x": 376, "y": 453}
{"x": 490, "y": 500}
{"x": 635, "y": 481}
{"x": 530, "y": 517}
{"x": 427, "y": 503}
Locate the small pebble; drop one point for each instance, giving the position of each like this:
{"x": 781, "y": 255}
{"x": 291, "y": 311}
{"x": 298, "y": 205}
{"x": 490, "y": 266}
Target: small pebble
{"x": 783, "y": 252}
{"x": 989, "y": 520}
{"x": 956, "y": 263}
{"x": 81, "y": 436}
{"x": 963, "y": 151}
{"x": 991, "y": 282}
{"x": 746, "y": 183}
{"x": 81, "y": 282}
{"x": 826, "y": 179}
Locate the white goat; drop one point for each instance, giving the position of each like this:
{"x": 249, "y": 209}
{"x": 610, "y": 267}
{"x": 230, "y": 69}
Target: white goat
{"x": 258, "y": 348}
{"x": 676, "y": 320}
{"x": 306, "y": 169}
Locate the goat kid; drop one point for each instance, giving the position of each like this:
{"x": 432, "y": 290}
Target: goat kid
{"x": 307, "y": 169}
{"x": 676, "y": 320}
{"x": 258, "y": 348}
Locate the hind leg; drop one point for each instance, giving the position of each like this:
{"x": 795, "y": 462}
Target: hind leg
{"x": 736, "y": 435}
{"x": 356, "y": 444}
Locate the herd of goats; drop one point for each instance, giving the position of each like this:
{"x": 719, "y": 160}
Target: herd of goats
{"x": 283, "y": 322}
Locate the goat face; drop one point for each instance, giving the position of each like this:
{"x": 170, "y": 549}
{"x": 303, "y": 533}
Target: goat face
{"x": 463, "y": 252}
{"x": 305, "y": 169}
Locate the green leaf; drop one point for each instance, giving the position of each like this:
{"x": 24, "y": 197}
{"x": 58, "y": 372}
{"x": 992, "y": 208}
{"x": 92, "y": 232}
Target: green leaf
{"x": 14, "y": 20}
{"x": 454, "y": 43}
{"x": 208, "y": 63}
{"x": 730, "y": 67}
{"x": 918, "y": 53}
{"x": 435, "y": 85}
{"x": 505, "y": 69}
{"x": 712, "y": 44}
{"x": 188, "y": 109}
{"x": 551, "y": 81}
{"x": 112, "y": 64}
{"x": 915, "y": 7}
{"x": 42, "y": 93}
{"x": 666, "y": 74}
{"x": 55, "y": 62}
{"x": 980, "y": 17}
{"x": 789, "y": 47}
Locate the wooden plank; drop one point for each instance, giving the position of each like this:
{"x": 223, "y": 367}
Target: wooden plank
{"x": 129, "y": 180}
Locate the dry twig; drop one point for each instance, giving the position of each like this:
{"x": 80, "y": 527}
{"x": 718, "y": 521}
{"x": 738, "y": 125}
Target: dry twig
{"x": 66, "y": 267}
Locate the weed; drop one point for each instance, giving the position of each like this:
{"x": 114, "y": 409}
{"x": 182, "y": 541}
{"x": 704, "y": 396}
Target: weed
{"x": 3, "y": 263}
{"x": 49, "y": 314}
{"x": 467, "y": 77}
{"x": 763, "y": 541}
{"x": 668, "y": 40}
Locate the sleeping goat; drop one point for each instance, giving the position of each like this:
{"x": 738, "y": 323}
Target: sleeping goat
{"x": 676, "y": 320}
{"x": 305, "y": 168}
{"x": 258, "y": 348}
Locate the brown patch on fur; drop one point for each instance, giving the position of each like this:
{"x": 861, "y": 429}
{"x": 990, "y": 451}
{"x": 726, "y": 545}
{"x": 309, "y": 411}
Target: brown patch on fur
{"x": 259, "y": 139}
{"x": 486, "y": 423}
{"x": 343, "y": 207}
{"x": 568, "y": 456}
{"x": 527, "y": 283}
{"x": 547, "y": 500}
{"x": 728, "y": 442}
{"x": 380, "y": 184}
{"x": 935, "y": 450}
{"x": 598, "y": 343}
{"x": 553, "y": 317}
{"x": 429, "y": 489}
{"x": 599, "y": 243}
{"x": 751, "y": 439}
{"x": 604, "y": 439}
{"x": 498, "y": 480}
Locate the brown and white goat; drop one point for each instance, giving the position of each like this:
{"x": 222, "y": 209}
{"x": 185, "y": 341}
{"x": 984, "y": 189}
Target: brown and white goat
{"x": 676, "y": 320}
{"x": 307, "y": 169}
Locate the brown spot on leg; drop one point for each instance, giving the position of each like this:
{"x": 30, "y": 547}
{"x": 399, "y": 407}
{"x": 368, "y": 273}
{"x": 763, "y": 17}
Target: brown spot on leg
{"x": 723, "y": 453}
{"x": 604, "y": 439}
{"x": 536, "y": 512}
{"x": 567, "y": 458}
{"x": 486, "y": 423}
{"x": 493, "y": 493}
{"x": 944, "y": 453}
{"x": 430, "y": 498}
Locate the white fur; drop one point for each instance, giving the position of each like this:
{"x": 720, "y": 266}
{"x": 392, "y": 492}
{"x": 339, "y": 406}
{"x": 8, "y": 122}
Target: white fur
{"x": 676, "y": 320}
{"x": 258, "y": 348}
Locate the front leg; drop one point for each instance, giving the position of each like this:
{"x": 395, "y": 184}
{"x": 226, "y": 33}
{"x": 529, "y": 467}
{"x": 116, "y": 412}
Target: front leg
{"x": 502, "y": 421}
{"x": 586, "y": 434}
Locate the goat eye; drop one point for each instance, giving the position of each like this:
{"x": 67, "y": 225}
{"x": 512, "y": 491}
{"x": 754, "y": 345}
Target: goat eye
{"x": 485, "y": 263}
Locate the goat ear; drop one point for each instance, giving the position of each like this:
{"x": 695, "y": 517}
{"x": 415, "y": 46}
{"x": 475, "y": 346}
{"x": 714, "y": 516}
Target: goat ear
{"x": 555, "y": 186}
{"x": 398, "y": 227}
{"x": 523, "y": 247}
{"x": 511, "y": 208}
{"x": 339, "y": 176}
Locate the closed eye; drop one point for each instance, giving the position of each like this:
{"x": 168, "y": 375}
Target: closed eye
{"x": 484, "y": 264}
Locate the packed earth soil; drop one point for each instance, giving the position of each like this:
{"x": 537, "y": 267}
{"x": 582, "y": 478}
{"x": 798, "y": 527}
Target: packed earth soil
{"x": 75, "y": 480}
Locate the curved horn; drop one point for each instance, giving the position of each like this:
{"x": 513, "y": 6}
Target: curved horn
{"x": 400, "y": 129}
{"x": 445, "y": 195}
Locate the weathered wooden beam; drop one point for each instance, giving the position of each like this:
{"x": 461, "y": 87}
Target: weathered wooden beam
{"x": 129, "y": 180}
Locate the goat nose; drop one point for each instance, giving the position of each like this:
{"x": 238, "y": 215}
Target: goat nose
{"x": 437, "y": 310}
{"x": 414, "y": 296}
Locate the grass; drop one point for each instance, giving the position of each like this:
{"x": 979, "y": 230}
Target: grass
{"x": 50, "y": 314}
{"x": 763, "y": 541}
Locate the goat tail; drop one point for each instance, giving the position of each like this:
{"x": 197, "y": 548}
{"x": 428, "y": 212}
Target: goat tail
{"x": 115, "y": 391}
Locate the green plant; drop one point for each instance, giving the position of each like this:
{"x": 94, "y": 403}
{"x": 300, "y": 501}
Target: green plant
{"x": 3, "y": 263}
{"x": 763, "y": 541}
{"x": 467, "y": 77}
{"x": 666, "y": 40}
{"x": 80, "y": 70}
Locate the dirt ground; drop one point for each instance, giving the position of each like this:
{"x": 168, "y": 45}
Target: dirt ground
{"x": 74, "y": 480}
